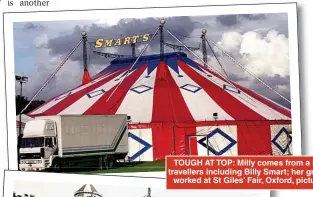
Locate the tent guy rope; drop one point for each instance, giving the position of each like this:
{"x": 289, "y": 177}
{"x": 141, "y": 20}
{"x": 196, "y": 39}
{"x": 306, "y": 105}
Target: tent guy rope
{"x": 52, "y": 75}
{"x": 208, "y": 66}
{"x": 238, "y": 64}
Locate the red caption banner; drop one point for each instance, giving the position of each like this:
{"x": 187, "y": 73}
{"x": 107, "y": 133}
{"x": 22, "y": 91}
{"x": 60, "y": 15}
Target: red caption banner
{"x": 240, "y": 172}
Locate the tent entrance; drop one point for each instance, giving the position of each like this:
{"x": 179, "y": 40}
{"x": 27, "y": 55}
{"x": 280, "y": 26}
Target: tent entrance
{"x": 193, "y": 143}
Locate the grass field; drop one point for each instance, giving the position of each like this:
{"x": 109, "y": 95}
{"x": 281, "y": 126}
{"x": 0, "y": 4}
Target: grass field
{"x": 134, "y": 167}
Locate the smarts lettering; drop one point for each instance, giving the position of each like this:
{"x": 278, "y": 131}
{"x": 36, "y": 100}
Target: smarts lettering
{"x": 121, "y": 41}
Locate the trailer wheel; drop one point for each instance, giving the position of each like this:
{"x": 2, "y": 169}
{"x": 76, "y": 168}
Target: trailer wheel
{"x": 111, "y": 162}
{"x": 100, "y": 163}
{"x": 56, "y": 166}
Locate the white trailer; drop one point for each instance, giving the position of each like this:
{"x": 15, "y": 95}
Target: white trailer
{"x": 73, "y": 141}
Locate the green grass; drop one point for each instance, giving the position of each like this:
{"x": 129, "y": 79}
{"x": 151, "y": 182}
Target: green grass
{"x": 135, "y": 167}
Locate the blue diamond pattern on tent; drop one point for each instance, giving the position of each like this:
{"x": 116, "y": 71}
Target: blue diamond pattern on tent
{"x": 64, "y": 96}
{"x": 275, "y": 142}
{"x": 95, "y": 93}
{"x": 202, "y": 141}
{"x": 141, "y": 89}
{"x": 146, "y": 147}
{"x": 231, "y": 89}
{"x": 191, "y": 88}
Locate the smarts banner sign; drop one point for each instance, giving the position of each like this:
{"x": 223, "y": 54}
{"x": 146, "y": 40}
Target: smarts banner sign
{"x": 100, "y": 42}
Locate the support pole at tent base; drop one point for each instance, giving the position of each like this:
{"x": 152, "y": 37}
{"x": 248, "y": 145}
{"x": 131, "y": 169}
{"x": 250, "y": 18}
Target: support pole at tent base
{"x": 86, "y": 77}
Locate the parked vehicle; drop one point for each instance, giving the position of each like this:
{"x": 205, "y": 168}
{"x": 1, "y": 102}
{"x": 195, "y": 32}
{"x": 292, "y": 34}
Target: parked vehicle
{"x": 73, "y": 141}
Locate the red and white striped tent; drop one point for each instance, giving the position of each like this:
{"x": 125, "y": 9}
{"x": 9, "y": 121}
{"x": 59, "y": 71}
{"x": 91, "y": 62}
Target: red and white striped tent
{"x": 178, "y": 106}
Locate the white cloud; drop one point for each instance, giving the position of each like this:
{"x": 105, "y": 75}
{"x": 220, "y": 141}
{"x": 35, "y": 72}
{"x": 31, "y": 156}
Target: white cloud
{"x": 231, "y": 42}
{"x": 107, "y": 21}
{"x": 267, "y": 55}
{"x": 262, "y": 55}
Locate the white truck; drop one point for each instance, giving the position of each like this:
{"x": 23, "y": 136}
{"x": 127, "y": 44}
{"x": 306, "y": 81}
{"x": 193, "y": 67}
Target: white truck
{"x": 73, "y": 141}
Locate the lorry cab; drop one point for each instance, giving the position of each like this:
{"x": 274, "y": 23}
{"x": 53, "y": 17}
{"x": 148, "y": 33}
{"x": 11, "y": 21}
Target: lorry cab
{"x": 38, "y": 145}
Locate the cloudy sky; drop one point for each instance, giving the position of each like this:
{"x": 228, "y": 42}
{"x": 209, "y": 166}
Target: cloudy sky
{"x": 258, "y": 41}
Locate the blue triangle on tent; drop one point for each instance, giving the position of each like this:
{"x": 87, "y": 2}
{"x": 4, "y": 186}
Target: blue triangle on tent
{"x": 192, "y": 63}
{"x": 152, "y": 65}
{"x": 146, "y": 147}
{"x": 172, "y": 63}
{"x": 138, "y": 64}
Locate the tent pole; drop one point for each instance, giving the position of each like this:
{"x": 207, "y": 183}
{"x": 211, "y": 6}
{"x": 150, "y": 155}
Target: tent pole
{"x": 133, "y": 64}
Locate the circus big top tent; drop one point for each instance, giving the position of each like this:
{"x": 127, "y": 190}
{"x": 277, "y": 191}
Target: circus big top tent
{"x": 179, "y": 107}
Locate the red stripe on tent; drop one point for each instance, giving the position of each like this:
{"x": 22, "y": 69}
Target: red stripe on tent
{"x": 102, "y": 106}
{"x": 48, "y": 101}
{"x": 181, "y": 141}
{"x": 168, "y": 102}
{"x": 230, "y": 122}
{"x": 211, "y": 72}
{"x": 34, "y": 115}
{"x": 211, "y": 123}
{"x": 265, "y": 101}
{"x": 59, "y": 107}
{"x": 228, "y": 103}
{"x": 254, "y": 139}
{"x": 170, "y": 106}
{"x": 163, "y": 143}
{"x": 108, "y": 72}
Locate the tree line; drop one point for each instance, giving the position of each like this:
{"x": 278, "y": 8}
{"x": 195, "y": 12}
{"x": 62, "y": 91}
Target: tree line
{"x": 22, "y": 101}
